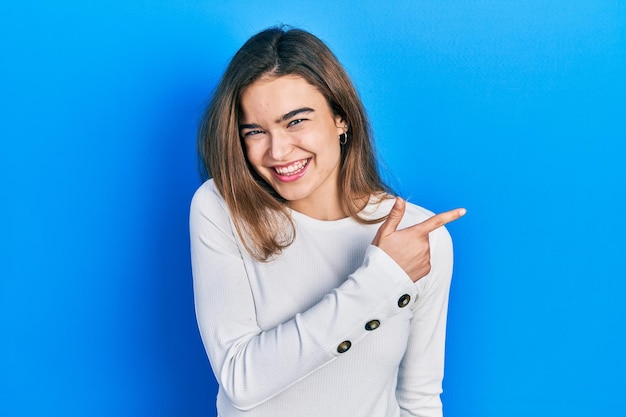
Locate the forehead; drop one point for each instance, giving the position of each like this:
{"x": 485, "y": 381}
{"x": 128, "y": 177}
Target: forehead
{"x": 271, "y": 96}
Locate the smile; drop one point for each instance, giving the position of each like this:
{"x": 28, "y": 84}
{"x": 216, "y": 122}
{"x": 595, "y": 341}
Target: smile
{"x": 291, "y": 172}
{"x": 292, "y": 169}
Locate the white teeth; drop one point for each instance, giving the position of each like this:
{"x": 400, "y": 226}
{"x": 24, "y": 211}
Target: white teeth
{"x": 292, "y": 169}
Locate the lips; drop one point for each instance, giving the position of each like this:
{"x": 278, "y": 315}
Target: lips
{"x": 292, "y": 171}
{"x": 292, "y": 168}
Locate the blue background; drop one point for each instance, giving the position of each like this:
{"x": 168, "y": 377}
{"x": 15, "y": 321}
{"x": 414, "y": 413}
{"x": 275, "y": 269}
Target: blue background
{"x": 515, "y": 110}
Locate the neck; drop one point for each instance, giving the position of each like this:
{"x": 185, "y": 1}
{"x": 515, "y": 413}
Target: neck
{"x": 320, "y": 210}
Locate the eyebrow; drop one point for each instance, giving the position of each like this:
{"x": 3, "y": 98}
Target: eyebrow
{"x": 296, "y": 112}
{"x": 283, "y": 118}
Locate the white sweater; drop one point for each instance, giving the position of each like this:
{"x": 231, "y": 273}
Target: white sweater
{"x": 323, "y": 329}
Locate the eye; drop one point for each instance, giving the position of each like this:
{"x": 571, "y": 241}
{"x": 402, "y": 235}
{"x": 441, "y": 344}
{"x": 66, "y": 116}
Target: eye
{"x": 250, "y": 133}
{"x": 295, "y": 122}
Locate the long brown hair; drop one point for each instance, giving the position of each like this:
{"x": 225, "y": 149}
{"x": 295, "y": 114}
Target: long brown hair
{"x": 258, "y": 212}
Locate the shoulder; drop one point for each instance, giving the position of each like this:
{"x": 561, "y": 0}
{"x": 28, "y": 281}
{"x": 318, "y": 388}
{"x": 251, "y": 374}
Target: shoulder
{"x": 208, "y": 203}
{"x": 381, "y": 206}
{"x": 207, "y": 193}
{"x": 415, "y": 214}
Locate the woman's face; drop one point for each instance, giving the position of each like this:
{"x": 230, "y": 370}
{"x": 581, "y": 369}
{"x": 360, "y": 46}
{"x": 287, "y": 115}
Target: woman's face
{"x": 291, "y": 139}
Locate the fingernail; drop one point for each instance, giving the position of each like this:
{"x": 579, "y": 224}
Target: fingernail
{"x": 462, "y": 212}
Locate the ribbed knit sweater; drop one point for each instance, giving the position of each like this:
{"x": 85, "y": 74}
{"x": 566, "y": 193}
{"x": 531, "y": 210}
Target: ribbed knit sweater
{"x": 330, "y": 327}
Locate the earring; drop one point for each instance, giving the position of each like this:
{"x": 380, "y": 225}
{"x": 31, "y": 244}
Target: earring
{"x": 343, "y": 138}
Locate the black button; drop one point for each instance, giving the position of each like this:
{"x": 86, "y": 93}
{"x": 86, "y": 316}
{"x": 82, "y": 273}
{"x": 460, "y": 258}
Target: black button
{"x": 372, "y": 325}
{"x": 344, "y": 346}
{"x": 404, "y": 300}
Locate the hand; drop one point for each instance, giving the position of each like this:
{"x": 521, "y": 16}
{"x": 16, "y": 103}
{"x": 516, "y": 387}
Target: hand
{"x": 410, "y": 247}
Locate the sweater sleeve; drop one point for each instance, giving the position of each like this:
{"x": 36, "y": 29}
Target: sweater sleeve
{"x": 421, "y": 371}
{"x": 252, "y": 365}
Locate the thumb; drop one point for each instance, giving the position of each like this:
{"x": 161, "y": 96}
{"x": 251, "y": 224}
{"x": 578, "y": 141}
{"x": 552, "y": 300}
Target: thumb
{"x": 395, "y": 216}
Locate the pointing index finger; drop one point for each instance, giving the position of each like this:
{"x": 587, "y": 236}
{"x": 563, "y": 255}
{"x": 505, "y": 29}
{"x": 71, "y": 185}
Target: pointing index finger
{"x": 439, "y": 220}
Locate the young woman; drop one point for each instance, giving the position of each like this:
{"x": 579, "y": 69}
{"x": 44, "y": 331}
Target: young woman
{"x": 317, "y": 293}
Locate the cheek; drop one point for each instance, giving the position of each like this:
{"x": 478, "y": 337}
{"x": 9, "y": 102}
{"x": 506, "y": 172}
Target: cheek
{"x": 324, "y": 140}
{"x": 252, "y": 153}
{"x": 255, "y": 153}
{"x": 331, "y": 145}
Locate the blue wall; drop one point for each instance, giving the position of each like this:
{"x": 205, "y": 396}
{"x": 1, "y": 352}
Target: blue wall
{"x": 514, "y": 110}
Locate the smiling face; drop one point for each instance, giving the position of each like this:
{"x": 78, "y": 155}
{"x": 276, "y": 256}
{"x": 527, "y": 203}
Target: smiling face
{"x": 291, "y": 139}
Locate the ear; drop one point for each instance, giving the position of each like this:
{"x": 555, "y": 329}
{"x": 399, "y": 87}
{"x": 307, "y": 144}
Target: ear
{"x": 341, "y": 124}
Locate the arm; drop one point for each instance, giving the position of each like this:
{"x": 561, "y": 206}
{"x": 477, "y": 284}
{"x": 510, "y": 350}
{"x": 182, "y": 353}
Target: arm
{"x": 252, "y": 365}
{"x": 421, "y": 370}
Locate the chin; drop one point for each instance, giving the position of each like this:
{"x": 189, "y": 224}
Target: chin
{"x": 292, "y": 196}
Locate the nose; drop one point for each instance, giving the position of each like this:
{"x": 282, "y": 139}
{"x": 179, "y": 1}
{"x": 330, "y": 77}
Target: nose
{"x": 280, "y": 146}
